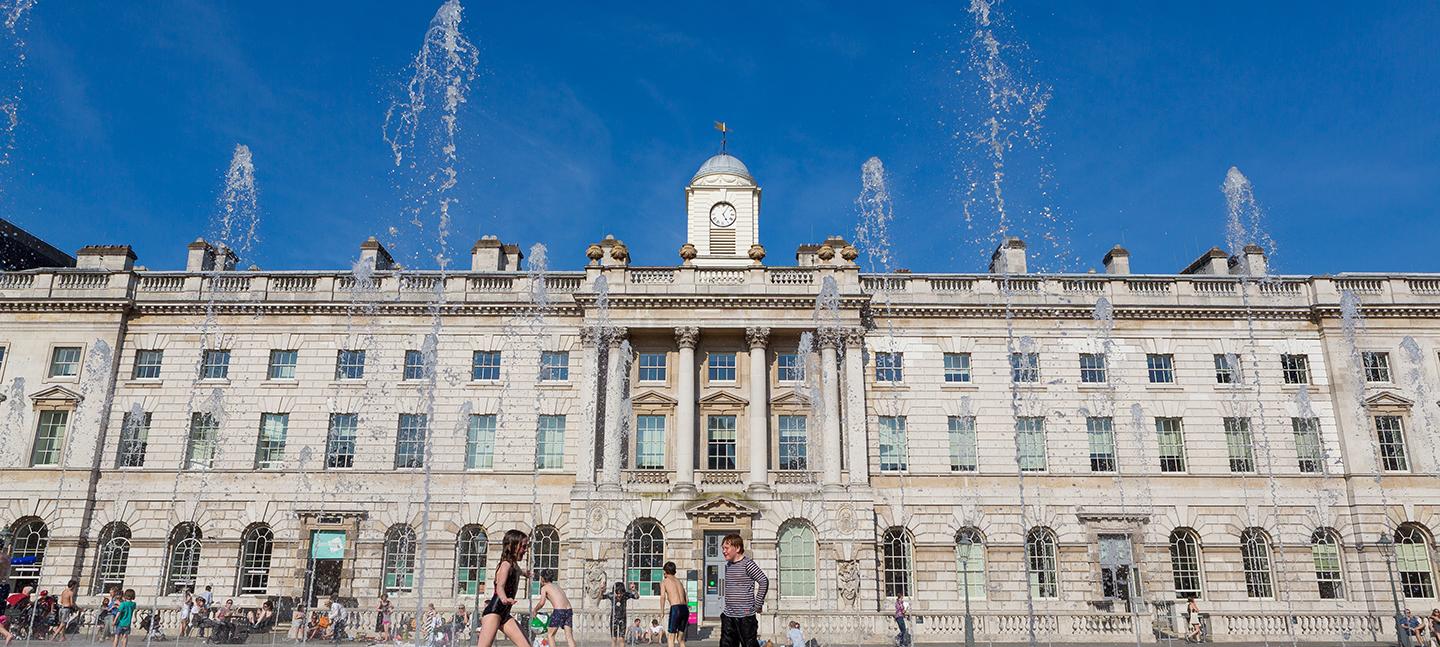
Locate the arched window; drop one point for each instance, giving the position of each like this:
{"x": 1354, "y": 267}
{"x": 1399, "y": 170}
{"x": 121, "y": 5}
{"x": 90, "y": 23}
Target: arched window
{"x": 470, "y": 547}
{"x": 255, "y": 548}
{"x": 797, "y": 560}
{"x": 1412, "y": 560}
{"x": 184, "y": 563}
{"x": 1255, "y": 558}
{"x": 112, "y": 558}
{"x": 1185, "y": 563}
{"x": 399, "y": 560}
{"x": 1325, "y": 552}
{"x": 1040, "y": 562}
{"x": 27, "y": 556}
{"x": 897, "y": 549}
{"x": 970, "y": 558}
{"x": 644, "y": 555}
{"x": 544, "y": 553}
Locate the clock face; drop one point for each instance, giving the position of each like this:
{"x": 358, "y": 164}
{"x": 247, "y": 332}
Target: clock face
{"x": 722, "y": 214}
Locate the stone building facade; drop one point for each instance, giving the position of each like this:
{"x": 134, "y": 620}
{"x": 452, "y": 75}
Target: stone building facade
{"x": 1094, "y": 447}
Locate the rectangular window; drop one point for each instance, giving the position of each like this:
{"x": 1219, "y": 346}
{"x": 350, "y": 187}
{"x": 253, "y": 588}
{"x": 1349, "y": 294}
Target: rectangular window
{"x": 49, "y": 436}
{"x": 793, "y": 436}
{"x": 722, "y": 366}
{"x": 550, "y": 454}
{"x": 1295, "y": 369}
{"x": 894, "y": 456}
{"x": 147, "y": 364}
{"x": 1377, "y": 366}
{"x": 340, "y": 441}
{"x": 350, "y": 365}
{"x": 1025, "y": 368}
{"x": 957, "y": 368}
{"x": 789, "y": 367}
{"x": 1092, "y": 368}
{"x": 1030, "y": 433}
{"x": 963, "y": 456}
{"x": 652, "y": 367}
{"x": 215, "y": 365}
{"x": 1391, "y": 432}
{"x": 1227, "y": 368}
{"x": 1170, "y": 435}
{"x": 1240, "y": 444}
{"x": 204, "y": 435}
{"x": 410, "y": 441}
{"x": 134, "y": 439}
{"x": 65, "y": 361}
{"x": 270, "y": 450}
{"x": 282, "y": 364}
{"x": 1161, "y": 368}
{"x": 480, "y": 442}
{"x": 485, "y": 365}
{"x": 1307, "y": 444}
{"x": 720, "y": 442}
{"x": 555, "y": 366}
{"x": 1101, "y": 432}
{"x": 889, "y": 367}
{"x": 650, "y": 442}
{"x": 414, "y": 366}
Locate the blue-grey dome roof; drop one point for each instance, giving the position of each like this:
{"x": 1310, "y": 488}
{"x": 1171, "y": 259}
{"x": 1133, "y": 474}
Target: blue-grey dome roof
{"x": 723, "y": 163}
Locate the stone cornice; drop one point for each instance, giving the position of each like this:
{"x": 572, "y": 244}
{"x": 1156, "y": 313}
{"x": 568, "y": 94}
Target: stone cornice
{"x": 617, "y": 301}
{"x": 57, "y": 305}
{"x": 345, "y": 309}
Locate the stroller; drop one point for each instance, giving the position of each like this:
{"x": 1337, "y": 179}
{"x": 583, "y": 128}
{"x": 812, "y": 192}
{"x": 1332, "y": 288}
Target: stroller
{"x": 151, "y": 626}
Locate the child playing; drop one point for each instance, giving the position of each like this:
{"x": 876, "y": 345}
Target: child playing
{"x": 496, "y": 617}
{"x": 618, "y": 598}
{"x": 797, "y": 637}
{"x": 124, "y": 617}
{"x": 636, "y": 635}
{"x": 561, "y": 614}
{"x": 655, "y": 632}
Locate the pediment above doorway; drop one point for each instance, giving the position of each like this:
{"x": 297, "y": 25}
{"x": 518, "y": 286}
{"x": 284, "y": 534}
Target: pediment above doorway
{"x": 721, "y": 510}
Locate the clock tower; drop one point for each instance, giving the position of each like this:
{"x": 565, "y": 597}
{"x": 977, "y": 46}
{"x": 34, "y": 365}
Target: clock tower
{"x": 722, "y": 207}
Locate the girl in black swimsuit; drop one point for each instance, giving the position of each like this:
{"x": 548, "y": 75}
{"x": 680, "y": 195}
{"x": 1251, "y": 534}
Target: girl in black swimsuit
{"x": 496, "y": 615}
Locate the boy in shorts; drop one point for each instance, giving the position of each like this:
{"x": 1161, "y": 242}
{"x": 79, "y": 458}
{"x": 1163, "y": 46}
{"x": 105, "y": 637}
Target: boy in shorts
{"x": 124, "y": 617}
{"x": 562, "y": 616}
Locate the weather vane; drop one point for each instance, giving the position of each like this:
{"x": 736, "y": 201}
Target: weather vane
{"x": 720, "y": 126}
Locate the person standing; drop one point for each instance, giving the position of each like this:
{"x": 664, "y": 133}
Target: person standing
{"x": 745, "y": 589}
{"x": 209, "y": 597}
{"x": 676, "y": 604}
{"x": 337, "y": 619}
{"x": 124, "y": 617}
{"x": 68, "y": 611}
{"x": 382, "y": 617}
{"x": 619, "y": 598}
{"x": 562, "y": 616}
{"x": 187, "y": 604}
{"x": 902, "y": 610}
{"x": 495, "y": 618}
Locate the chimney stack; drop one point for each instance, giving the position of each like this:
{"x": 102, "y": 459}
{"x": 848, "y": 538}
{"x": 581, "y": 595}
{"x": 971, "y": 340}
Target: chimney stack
{"x": 1252, "y": 262}
{"x": 1009, "y": 257}
{"x": 1117, "y": 261}
{"x": 204, "y": 257}
{"x": 375, "y": 256}
{"x": 115, "y": 258}
{"x": 1214, "y": 262}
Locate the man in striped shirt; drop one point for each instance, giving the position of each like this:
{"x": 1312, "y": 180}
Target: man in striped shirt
{"x": 745, "y": 589}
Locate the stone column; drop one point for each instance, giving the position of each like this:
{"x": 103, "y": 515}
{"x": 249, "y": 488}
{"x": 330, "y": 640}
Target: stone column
{"x": 614, "y": 394}
{"x": 830, "y": 388}
{"x": 855, "y": 418}
{"x": 759, "y": 479}
{"x": 685, "y": 338}
{"x": 590, "y": 379}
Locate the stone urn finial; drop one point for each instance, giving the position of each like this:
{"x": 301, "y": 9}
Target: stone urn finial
{"x": 688, "y": 253}
{"x": 757, "y": 253}
{"x": 849, "y": 253}
{"x": 594, "y": 253}
{"x": 825, "y": 253}
{"x": 619, "y": 253}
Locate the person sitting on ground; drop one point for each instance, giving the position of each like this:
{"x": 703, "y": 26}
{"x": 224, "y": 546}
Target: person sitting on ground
{"x": 636, "y": 634}
{"x": 797, "y": 637}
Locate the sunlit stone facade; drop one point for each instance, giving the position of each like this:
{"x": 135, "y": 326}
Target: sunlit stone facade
{"x": 275, "y": 433}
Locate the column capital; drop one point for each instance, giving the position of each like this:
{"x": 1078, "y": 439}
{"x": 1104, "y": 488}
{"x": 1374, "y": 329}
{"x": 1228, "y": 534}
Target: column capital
{"x": 854, "y": 338}
{"x": 757, "y": 336}
{"x": 615, "y": 335}
{"x": 687, "y": 336}
{"x": 829, "y": 337}
{"x": 589, "y": 337}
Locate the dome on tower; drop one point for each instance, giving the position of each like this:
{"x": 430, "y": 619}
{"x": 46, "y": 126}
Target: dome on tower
{"x": 723, "y": 163}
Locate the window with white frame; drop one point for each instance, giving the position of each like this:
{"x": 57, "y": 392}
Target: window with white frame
{"x": 27, "y": 554}
{"x": 134, "y": 438}
{"x": 410, "y": 441}
{"x": 1255, "y": 559}
{"x": 1308, "y": 448}
{"x": 1185, "y": 563}
{"x": 721, "y": 366}
{"x": 414, "y": 368}
{"x": 1227, "y": 368}
{"x": 147, "y": 364}
{"x": 49, "y": 438}
{"x": 652, "y": 367}
{"x": 1325, "y": 555}
{"x": 112, "y": 559}
{"x": 957, "y": 368}
{"x": 645, "y": 557}
{"x": 270, "y": 449}
{"x": 485, "y": 365}
{"x": 282, "y": 364}
{"x": 1170, "y": 437}
{"x": 398, "y": 560}
{"x": 550, "y": 454}
{"x": 350, "y": 365}
{"x": 1390, "y": 430}
{"x": 1376, "y": 365}
{"x": 544, "y": 553}
{"x": 970, "y": 557}
{"x": 1092, "y": 368}
{"x": 796, "y": 557}
{"x": 183, "y": 567}
{"x": 215, "y": 365}
{"x": 1040, "y": 563}
{"x": 256, "y": 548}
{"x": 894, "y": 455}
{"x": 720, "y": 442}
{"x": 555, "y": 366}
{"x": 1412, "y": 562}
{"x": 1295, "y": 369}
{"x": 1160, "y": 368}
{"x": 1240, "y": 444}
{"x": 1100, "y": 431}
{"x": 480, "y": 442}
{"x": 469, "y": 560}
{"x": 202, "y": 441}
{"x": 340, "y": 440}
{"x": 963, "y": 452}
{"x": 897, "y": 562}
{"x": 650, "y": 442}
{"x": 889, "y": 367}
{"x": 1030, "y": 435}
{"x": 789, "y": 367}
{"x": 65, "y": 361}
{"x": 794, "y": 437}
{"x": 1025, "y": 368}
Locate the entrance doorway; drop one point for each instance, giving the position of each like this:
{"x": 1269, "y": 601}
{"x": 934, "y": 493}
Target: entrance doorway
{"x": 326, "y": 565}
{"x": 714, "y": 582}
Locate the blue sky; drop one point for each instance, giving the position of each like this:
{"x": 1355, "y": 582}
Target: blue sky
{"x": 588, "y": 119}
